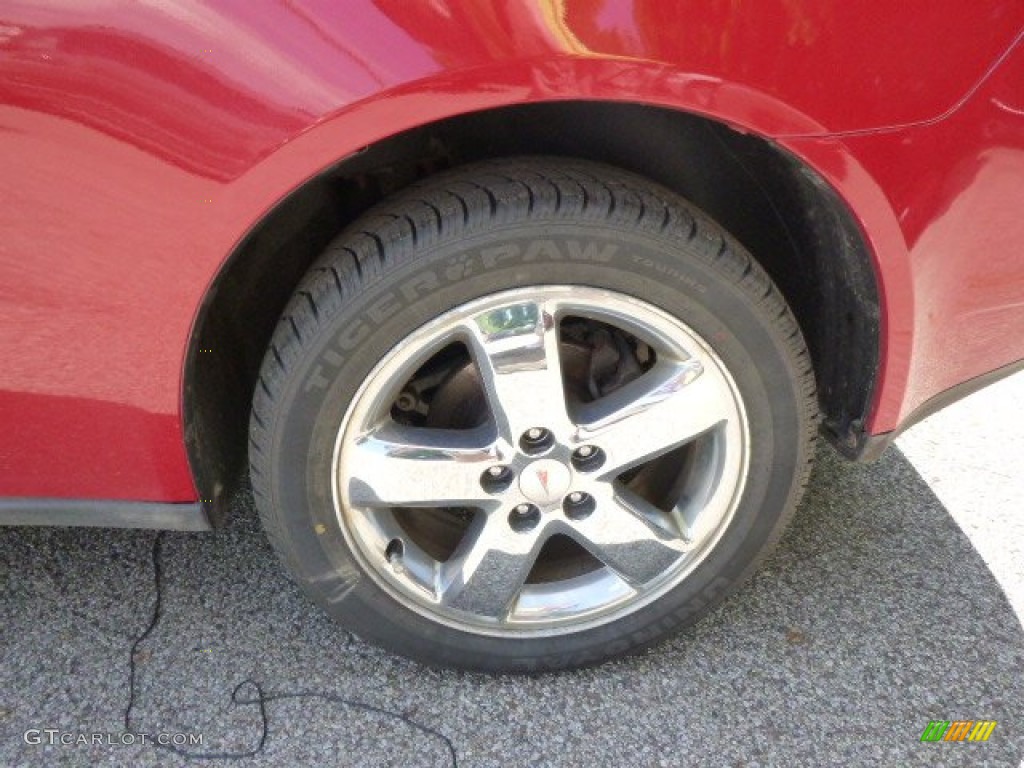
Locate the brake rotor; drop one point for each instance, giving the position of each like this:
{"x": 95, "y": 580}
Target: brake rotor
{"x": 459, "y": 402}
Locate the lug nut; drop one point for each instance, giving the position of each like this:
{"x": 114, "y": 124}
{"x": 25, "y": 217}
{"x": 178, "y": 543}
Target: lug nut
{"x": 496, "y": 479}
{"x": 578, "y": 505}
{"x": 536, "y": 440}
{"x": 587, "y": 458}
{"x": 524, "y": 517}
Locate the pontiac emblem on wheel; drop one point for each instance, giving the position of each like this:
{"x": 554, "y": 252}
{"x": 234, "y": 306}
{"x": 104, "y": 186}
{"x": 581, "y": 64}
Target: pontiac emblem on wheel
{"x": 542, "y": 475}
{"x": 545, "y": 482}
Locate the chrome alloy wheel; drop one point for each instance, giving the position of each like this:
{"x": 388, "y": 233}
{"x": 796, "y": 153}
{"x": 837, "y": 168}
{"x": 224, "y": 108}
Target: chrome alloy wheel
{"x": 485, "y": 479}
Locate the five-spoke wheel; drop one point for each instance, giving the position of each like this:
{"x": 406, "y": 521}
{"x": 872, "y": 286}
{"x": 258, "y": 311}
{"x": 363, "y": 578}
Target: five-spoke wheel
{"x": 540, "y": 461}
{"x": 530, "y": 414}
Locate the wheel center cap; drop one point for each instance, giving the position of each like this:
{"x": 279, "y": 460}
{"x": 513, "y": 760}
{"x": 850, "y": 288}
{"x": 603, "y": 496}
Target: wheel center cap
{"x": 545, "y": 482}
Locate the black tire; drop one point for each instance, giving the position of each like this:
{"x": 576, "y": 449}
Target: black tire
{"x": 417, "y": 255}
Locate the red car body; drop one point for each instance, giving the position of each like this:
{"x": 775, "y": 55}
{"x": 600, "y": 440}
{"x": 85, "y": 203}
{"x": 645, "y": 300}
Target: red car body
{"x": 142, "y": 142}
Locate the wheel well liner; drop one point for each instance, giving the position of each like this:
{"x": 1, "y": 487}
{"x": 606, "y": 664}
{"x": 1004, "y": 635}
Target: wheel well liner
{"x": 786, "y": 215}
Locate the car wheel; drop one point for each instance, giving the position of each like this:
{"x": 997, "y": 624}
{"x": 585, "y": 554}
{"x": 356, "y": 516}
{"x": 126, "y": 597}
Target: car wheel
{"x": 530, "y": 414}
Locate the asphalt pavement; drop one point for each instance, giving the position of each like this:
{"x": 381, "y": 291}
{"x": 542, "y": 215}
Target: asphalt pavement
{"x": 894, "y": 599}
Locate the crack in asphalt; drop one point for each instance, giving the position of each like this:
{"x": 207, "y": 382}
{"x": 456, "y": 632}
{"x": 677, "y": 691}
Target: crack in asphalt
{"x": 259, "y": 697}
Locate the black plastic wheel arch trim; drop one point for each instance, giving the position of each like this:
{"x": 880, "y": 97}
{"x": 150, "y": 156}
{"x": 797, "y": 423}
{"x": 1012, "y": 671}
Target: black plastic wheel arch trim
{"x": 867, "y": 447}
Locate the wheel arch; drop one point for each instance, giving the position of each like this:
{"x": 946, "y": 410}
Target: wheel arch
{"x": 783, "y": 211}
